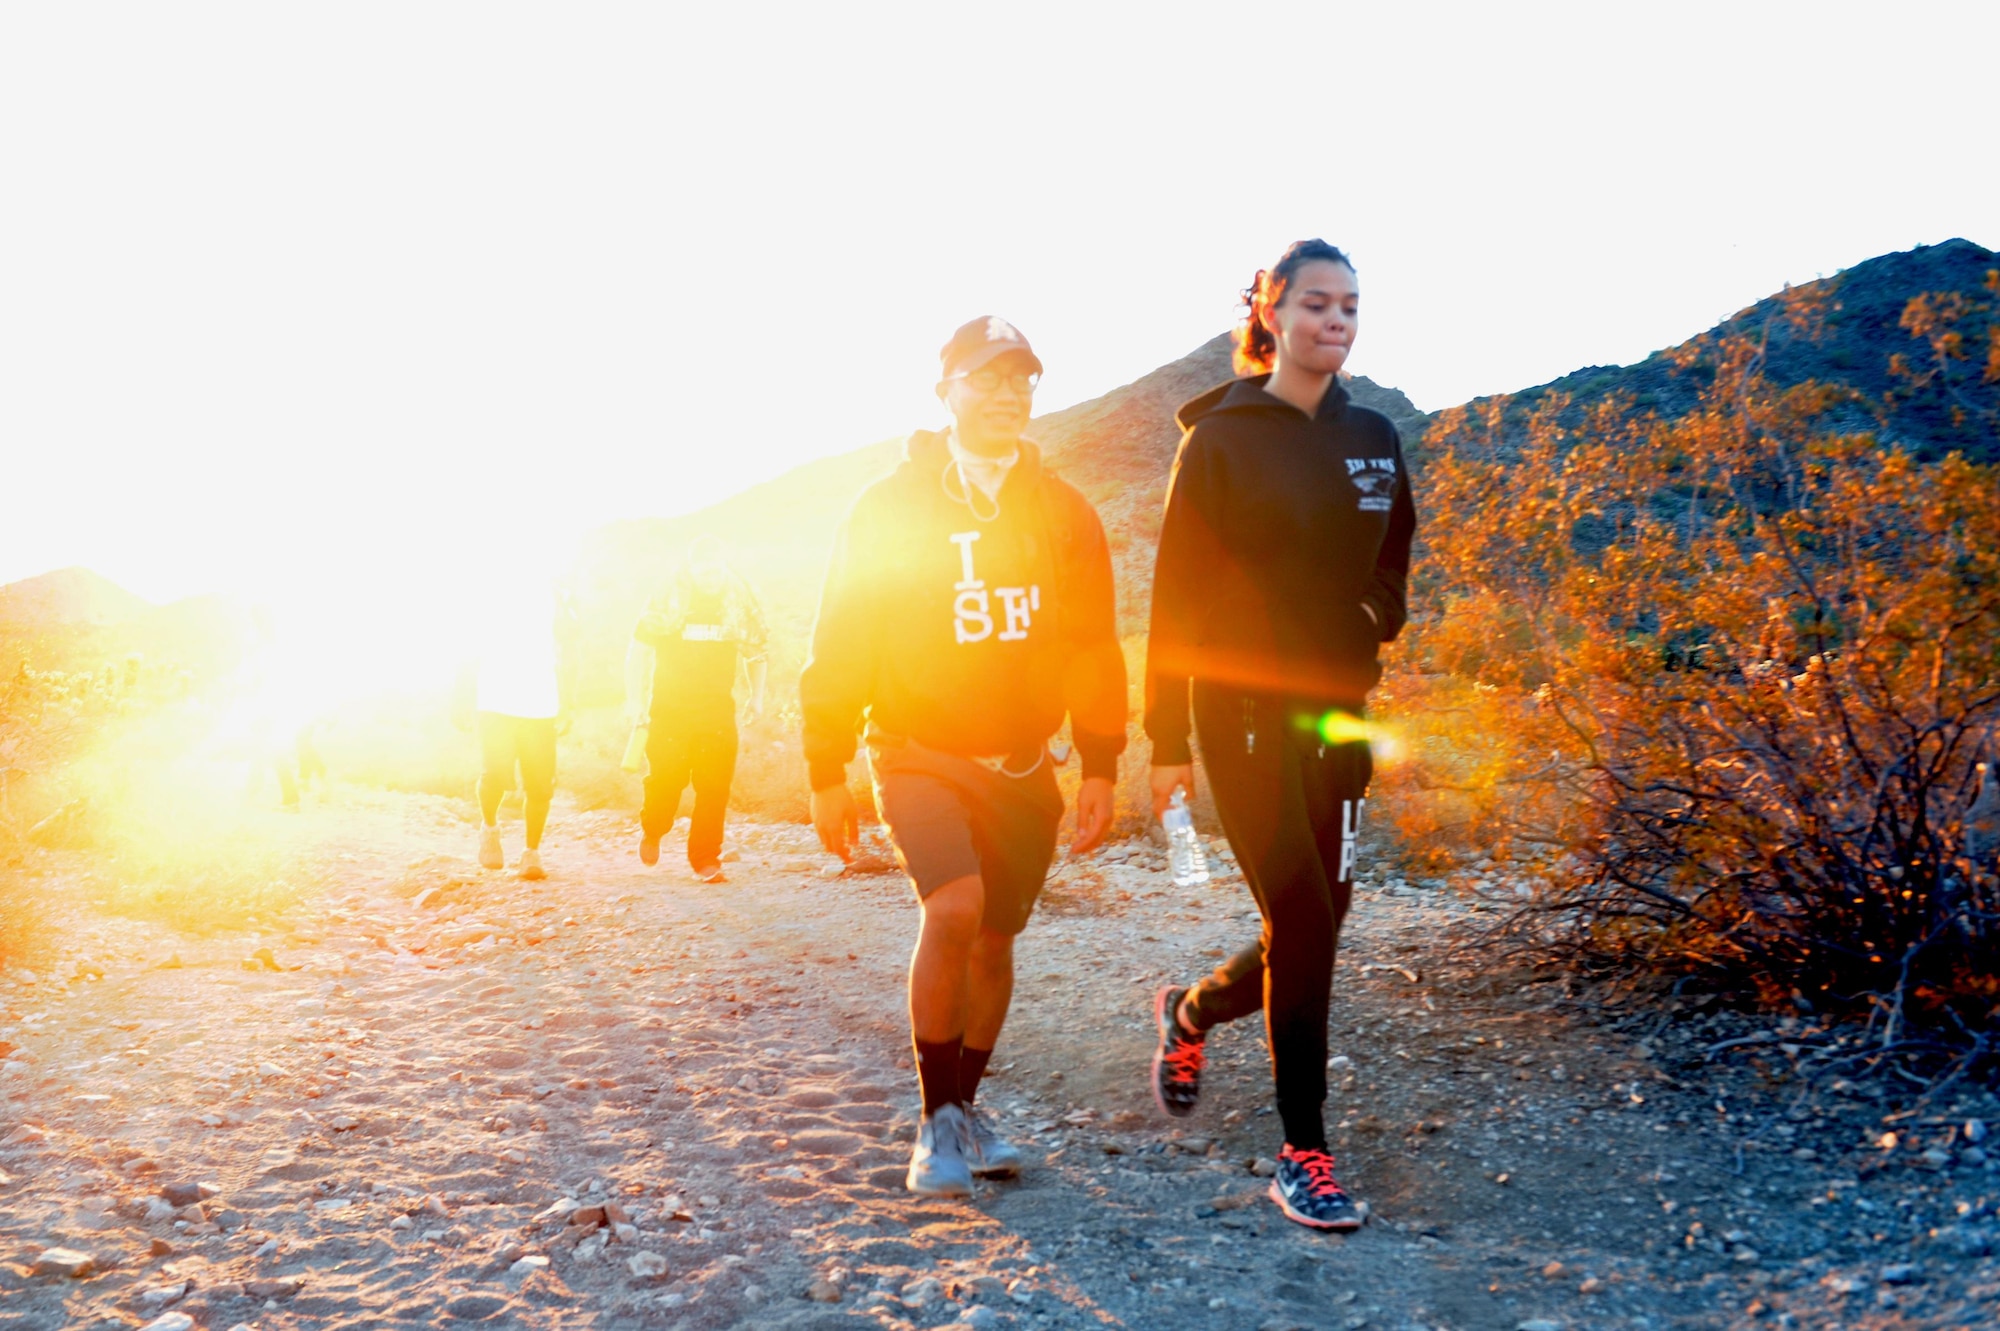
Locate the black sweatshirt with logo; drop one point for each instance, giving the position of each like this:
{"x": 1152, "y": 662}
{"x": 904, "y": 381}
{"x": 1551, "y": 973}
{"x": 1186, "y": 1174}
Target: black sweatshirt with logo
{"x": 1284, "y": 556}
{"x": 966, "y": 635}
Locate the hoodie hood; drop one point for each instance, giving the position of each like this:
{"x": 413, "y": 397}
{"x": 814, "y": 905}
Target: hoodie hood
{"x": 927, "y": 451}
{"x": 1247, "y": 394}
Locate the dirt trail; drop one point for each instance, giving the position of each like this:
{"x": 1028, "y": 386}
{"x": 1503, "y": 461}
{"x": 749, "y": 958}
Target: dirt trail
{"x": 620, "y": 1098}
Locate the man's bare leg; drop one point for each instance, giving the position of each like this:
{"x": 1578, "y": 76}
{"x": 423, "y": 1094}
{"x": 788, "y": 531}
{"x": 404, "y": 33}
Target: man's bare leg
{"x": 940, "y": 971}
{"x": 940, "y": 968}
{"x": 989, "y": 991}
{"x": 961, "y": 985}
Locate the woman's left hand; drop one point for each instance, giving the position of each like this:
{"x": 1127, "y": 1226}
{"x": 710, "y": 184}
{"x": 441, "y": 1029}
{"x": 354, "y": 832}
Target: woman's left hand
{"x": 1166, "y": 780}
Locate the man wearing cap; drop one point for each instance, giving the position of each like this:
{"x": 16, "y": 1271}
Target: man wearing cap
{"x": 968, "y": 609}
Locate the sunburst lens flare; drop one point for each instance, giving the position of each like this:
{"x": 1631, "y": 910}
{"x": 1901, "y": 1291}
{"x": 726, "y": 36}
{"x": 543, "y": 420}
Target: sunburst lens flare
{"x": 1343, "y": 728}
{"x": 1386, "y": 743}
{"x": 1338, "y": 727}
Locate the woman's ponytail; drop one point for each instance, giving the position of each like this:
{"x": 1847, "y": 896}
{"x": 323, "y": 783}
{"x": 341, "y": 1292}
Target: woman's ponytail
{"x": 1256, "y": 344}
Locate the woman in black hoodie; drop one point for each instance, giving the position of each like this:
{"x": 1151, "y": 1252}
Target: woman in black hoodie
{"x": 1281, "y": 571}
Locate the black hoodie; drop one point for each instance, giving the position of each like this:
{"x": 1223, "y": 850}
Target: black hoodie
{"x": 1280, "y": 529}
{"x": 967, "y": 636}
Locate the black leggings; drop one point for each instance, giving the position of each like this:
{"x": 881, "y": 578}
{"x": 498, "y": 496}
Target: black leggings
{"x": 529, "y": 741}
{"x": 1290, "y": 807}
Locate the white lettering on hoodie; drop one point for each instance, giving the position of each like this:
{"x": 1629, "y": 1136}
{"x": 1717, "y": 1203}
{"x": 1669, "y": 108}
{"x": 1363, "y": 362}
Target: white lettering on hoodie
{"x": 972, "y": 608}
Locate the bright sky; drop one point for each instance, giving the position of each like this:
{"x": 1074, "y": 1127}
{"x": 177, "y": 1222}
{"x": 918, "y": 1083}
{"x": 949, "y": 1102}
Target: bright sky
{"x": 331, "y": 302}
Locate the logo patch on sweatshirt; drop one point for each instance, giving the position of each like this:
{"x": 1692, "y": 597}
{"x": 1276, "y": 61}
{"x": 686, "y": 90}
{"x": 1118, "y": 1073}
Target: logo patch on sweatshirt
{"x": 1375, "y": 478}
{"x": 973, "y": 608}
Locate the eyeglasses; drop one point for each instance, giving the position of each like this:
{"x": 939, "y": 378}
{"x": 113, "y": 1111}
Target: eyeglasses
{"x": 989, "y": 381}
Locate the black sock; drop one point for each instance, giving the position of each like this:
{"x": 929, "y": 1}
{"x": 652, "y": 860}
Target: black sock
{"x": 971, "y": 1067}
{"x": 937, "y": 1072}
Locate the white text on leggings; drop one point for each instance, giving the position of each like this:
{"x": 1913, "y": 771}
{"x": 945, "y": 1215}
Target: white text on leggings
{"x": 972, "y": 608}
{"x": 1350, "y": 823}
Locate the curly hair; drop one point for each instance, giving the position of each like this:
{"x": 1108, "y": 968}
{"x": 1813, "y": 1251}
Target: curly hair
{"x": 1256, "y": 345}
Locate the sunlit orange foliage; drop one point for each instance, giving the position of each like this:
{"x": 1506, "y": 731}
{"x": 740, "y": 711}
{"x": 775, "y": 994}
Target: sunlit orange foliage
{"x": 1733, "y": 671}
{"x": 1947, "y": 323}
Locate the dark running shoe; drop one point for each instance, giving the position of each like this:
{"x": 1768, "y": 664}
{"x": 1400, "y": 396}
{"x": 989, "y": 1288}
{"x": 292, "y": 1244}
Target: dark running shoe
{"x": 1177, "y": 1063}
{"x": 649, "y": 851}
{"x": 1306, "y": 1192}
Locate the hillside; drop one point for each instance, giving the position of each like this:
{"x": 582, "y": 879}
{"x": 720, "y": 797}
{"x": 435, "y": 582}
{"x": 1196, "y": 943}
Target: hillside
{"x": 75, "y": 620}
{"x": 1116, "y": 448}
{"x": 67, "y": 596}
{"x": 1861, "y": 330}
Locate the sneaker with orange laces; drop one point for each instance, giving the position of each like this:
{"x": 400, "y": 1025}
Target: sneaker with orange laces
{"x": 1177, "y": 1063}
{"x": 1306, "y": 1192}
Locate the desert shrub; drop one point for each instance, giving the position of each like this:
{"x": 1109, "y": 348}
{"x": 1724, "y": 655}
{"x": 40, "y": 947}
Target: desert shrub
{"x": 1733, "y": 672}
{"x": 146, "y": 799}
{"x": 37, "y": 721}
{"x": 403, "y": 742}
{"x": 185, "y": 840}
{"x": 771, "y": 780}
{"x": 1454, "y": 781}
{"x": 587, "y": 761}
{"x": 1952, "y": 325}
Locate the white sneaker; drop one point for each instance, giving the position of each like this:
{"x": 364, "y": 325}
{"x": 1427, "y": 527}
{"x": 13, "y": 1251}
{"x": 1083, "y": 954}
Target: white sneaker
{"x": 938, "y": 1167}
{"x": 993, "y": 1156}
{"x": 531, "y": 866}
{"x": 490, "y": 854}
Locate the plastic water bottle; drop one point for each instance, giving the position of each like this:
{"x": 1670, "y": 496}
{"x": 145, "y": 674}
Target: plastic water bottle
{"x": 1184, "y": 851}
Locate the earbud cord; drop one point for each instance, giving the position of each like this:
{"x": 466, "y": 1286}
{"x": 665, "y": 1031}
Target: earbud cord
{"x": 966, "y": 491}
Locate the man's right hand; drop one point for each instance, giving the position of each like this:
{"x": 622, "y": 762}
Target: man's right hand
{"x": 837, "y": 820}
{"x": 1166, "y": 780}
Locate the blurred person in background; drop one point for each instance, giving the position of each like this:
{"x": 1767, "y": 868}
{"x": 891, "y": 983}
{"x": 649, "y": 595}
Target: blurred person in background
{"x": 305, "y": 745}
{"x": 517, "y": 692}
{"x": 273, "y": 688}
{"x": 697, "y": 637}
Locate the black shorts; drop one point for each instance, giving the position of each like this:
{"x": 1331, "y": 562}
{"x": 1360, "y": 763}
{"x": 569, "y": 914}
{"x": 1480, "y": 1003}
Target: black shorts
{"x": 953, "y": 817}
